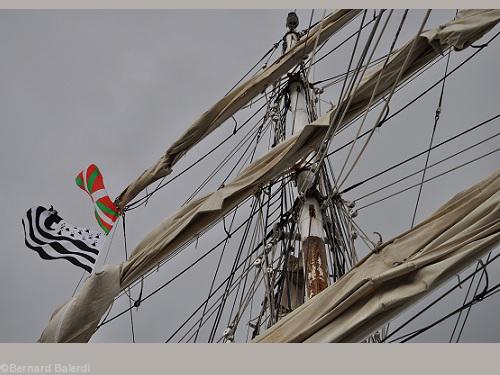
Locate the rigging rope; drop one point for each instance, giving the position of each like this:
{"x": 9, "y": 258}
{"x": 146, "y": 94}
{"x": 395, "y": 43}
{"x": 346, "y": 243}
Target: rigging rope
{"x": 129, "y": 296}
{"x": 418, "y": 96}
{"x": 343, "y": 42}
{"x": 386, "y": 101}
{"x": 340, "y": 77}
{"x": 430, "y": 179}
{"x": 211, "y": 311}
{"x": 431, "y": 166}
{"x": 268, "y": 53}
{"x": 216, "y": 271}
{"x": 221, "y": 284}
{"x": 436, "y": 120}
{"x": 105, "y": 321}
{"x": 228, "y": 158}
{"x": 367, "y": 110}
{"x": 343, "y": 95}
{"x": 419, "y": 154}
{"x": 78, "y": 284}
{"x": 477, "y": 299}
{"x": 436, "y": 300}
{"x": 484, "y": 273}
{"x": 233, "y": 271}
{"x": 285, "y": 179}
{"x": 135, "y": 204}
{"x": 313, "y": 52}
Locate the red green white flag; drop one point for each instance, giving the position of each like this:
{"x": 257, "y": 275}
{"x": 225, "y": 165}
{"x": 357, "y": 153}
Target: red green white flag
{"x": 91, "y": 181}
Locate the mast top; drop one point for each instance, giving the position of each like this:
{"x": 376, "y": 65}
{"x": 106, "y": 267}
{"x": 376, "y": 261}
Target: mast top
{"x": 292, "y": 21}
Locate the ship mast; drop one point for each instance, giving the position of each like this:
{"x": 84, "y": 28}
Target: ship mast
{"x": 310, "y": 217}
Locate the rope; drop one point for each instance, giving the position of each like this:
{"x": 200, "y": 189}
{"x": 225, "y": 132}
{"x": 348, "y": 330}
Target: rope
{"x": 343, "y": 95}
{"x": 375, "y": 87}
{"x": 477, "y": 299}
{"x": 386, "y": 104}
{"x": 417, "y": 97}
{"x": 340, "y": 77}
{"x": 228, "y": 235}
{"x": 163, "y": 262}
{"x": 352, "y": 87}
{"x": 175, "y": 277}
{"x": 436, "y": 120}
{"x": 313, "y": 52}
{"x": 215, "y": 291}
{"x": 343, "y": 42}
{"x": 270, "y": 52}
{"x": 211, "y": 311}
{"x": 155, "y": 291}
{"x": 430, "y": 179}
{"x": 484, "y": 273}
{"x": 436, "y": 300}
{"x": 218, "y": 317}
{"x": 78, "y": 284}
{"x": 431, "y": 166}
{"x": 110, "y": 242}
{"x": 228, "y": 158}
{"x": 307, "y": 33}
{"x": 137, "y": 202}
{"x": 465, "y": 300}
{"x": 419, "y": 154}
{"x": 126, "y": 258}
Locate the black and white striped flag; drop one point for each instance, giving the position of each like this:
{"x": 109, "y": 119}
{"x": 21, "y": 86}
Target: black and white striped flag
{"x": 54, "y": 238}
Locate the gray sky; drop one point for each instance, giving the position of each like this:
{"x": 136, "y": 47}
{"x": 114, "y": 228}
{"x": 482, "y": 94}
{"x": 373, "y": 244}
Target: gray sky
{"x": 117, "y": 87}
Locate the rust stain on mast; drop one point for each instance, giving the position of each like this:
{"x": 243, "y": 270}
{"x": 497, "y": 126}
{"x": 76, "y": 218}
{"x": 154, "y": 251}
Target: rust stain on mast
{"x": 316, "y": 266}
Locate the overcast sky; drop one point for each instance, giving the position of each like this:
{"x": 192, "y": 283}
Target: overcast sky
{"x": 116, "y": 88}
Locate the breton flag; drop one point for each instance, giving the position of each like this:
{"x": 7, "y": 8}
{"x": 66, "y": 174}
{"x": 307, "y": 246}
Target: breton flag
{"x": 54, "y": 238}
{"x": 90, "y": 181}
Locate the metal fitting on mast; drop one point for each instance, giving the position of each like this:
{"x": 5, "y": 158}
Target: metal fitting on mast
{"x": 292, "y": 21}
{"x": 292, "y": 36}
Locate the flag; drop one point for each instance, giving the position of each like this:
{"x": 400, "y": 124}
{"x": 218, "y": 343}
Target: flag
{"x": 54, "y": 238}
{"x": 91, "y": 181}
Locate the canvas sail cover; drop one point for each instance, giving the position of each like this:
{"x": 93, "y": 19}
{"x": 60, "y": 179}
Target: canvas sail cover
{"x": 234, "y": 101}
{"x": 192, "y": 218}
{"x": 399, "y": 272}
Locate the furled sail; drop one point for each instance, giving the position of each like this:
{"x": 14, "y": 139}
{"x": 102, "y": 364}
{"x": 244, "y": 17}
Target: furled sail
{"x": 399, "y": 272}
{"x": 234, "y": 101}
{"x": 78, "y": 318}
